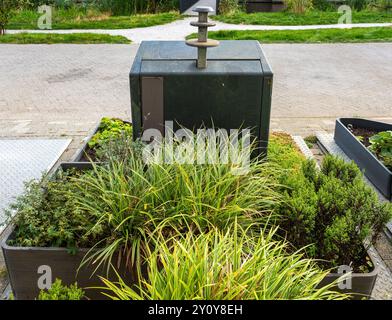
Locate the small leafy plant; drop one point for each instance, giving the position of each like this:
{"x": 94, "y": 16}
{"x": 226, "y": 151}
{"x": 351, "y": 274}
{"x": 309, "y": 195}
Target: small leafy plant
{"x": 48, "y": 215}
{"x": 110, "y": 129}
{"x": 381, "y": 146}
{"x": 60, "y": 292}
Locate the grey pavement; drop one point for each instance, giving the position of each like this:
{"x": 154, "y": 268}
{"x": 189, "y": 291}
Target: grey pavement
{"x": 63, "y": 90}
{"x": 179, "y": 29}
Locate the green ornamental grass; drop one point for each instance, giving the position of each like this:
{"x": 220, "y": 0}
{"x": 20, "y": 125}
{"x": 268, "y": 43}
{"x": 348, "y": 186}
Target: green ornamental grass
{"x": 228, "y": 265}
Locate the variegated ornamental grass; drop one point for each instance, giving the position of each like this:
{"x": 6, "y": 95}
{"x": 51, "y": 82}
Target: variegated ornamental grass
{"x": 230, "y": 265}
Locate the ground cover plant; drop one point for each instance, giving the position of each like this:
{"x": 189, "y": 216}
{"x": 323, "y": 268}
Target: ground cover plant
{"x": 225, "y": 265}
{"x": 354, "y": 35}
{"x": 53, "y": 38}
{"x": 60, "y": 292}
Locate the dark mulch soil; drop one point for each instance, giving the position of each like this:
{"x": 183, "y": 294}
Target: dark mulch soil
{"x": 89, "y": 155}
{"x": 364, "y": 133}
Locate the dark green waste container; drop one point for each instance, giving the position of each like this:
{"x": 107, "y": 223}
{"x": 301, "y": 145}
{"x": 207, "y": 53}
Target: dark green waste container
{"x": 234, "y": 91}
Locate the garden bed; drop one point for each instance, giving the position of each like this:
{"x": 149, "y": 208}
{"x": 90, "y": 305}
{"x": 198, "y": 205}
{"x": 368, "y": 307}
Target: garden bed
{"x": 23, "y": 263}
{"x": 113, "y": 206}
{"x": 349, "y": 142}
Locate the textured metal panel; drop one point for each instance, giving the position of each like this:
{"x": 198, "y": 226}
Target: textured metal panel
{"x": 22, "y": 161}
{"x": 152, "y": 103}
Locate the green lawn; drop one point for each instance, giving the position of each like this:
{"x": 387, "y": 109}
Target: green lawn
{"x": 53, "y": 38}
{"x": 381, "y": 34}
{"x": 310, "y": 18}
{"x": 78, "y": 19}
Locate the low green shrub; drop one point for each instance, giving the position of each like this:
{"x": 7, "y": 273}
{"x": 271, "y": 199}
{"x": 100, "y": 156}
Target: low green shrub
{"x": 60, "y": 292}
{"x": 381, "y": 146}
{"x": 333, "y": 211}
{"x": 228, "y": 6}
{"x": 224, "y": 265}
{"x": 48, "y": 215}
{"x": 110, "y": 129}
{"x": 299, "y": 6}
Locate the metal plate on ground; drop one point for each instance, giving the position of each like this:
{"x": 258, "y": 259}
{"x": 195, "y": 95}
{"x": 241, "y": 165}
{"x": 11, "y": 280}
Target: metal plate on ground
{"x": 22, "y": 161}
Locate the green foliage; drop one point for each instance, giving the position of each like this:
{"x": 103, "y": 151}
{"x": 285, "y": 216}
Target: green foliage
{"x": 128, "y": 7}
{"x": 283, "y": 152}
{"x": 357, "y": 4}
{"x": 128, "y": 198}
{"x": 224, "y": 265}
{"x": 334, "y": 211}
{"x": 312, "y": 17}
{"x": 61, "y": 292}
{"x": 228, "y": 6}
{"x": 47, "y": 215}
{"x": 7, "y": 10}
{"x": 323, "y": 5}
{"x": 109, "y": 129}
{"x": 310, "y": 141}
{"x": 381, "y": 146}
{"x": 354, "y": 35}
{"x": 90, "y": 18}
{"x": 299, "y": 6}
{"x": 380, "y": 5}
{"x": 52, "y": 38}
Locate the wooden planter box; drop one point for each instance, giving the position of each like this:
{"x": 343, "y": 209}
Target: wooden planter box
{"x": 373, "y": 168}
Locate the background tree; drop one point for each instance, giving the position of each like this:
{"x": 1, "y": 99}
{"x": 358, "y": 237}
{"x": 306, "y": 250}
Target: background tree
{"x": 7, "y": 9}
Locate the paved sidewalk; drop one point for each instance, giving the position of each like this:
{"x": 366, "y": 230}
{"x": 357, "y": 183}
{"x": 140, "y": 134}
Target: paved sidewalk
{"x": 179, "y": 29}
{"x": 63, "y": 90}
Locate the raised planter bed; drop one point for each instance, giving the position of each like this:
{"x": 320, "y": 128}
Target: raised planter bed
{"x": 362, "y": 284}
{"x": 373, "y": 168}
{"x": 23, "y": 262}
